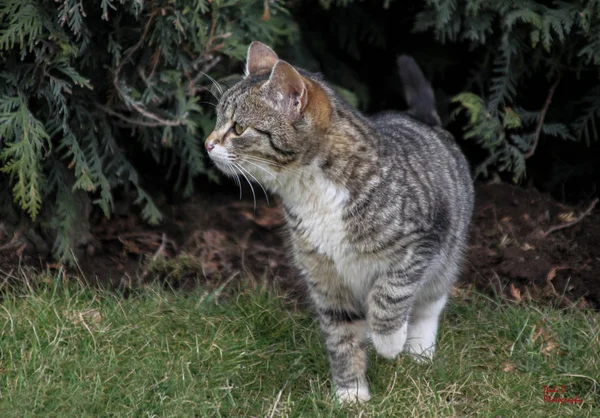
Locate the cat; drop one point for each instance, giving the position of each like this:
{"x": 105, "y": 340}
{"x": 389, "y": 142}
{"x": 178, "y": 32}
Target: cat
{"x": 377, "y": 209}
{"x": 417, "y": 92}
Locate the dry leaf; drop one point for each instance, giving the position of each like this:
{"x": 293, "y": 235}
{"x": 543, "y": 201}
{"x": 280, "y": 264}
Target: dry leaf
{"x": 527, "y": 247}
{"x": 508, "y": 367}
{"x": 54, "y": 266}
{"x": 515, "y": 293}
{"x": 129, "y": 246}
{"x": 88, "y": 316}
{"x": 266, "y": 15}
{"x": 552, "y": 273}
{"x": 567, "y": 217}
{"x": 551, "y": 346}
{"x": 549, "y": 288}
{"x": 214, "y": 238}
{"x": 505, "y": 241}
{"x": 271, "y": 217}
{"x": 265, "y": 217}
{"x": 537, "y": 335}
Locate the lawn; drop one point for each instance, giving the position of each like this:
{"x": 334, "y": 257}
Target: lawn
{"x": 71, "y": 351}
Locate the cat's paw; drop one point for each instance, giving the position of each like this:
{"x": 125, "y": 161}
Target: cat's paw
{"x": 389, "y": 346}
{"x": 353, "y": 395}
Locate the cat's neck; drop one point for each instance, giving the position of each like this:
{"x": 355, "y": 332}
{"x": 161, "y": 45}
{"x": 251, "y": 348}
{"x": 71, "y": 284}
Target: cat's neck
{"x": 309, "y": 189}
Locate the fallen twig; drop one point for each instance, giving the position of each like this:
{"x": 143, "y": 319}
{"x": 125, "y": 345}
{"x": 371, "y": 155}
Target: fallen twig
{"x": 14, "y": 242}
{"x": 571, "y": 223}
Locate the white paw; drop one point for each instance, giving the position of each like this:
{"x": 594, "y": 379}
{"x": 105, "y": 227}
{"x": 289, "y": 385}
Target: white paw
{"x": 353, "y": 395}
{"x": 390, "y": 345}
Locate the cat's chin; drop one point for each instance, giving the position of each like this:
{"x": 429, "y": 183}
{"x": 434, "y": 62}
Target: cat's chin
{"x": 223, "y": 167}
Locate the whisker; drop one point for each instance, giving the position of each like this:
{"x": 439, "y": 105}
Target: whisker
{"x": 236, "y": 179}
{"x": 227, "y": 84}
{"x": 272, "y": 174}
{"x": 214, "y": 82}
{"x": 210, "y": 91}
{"x": 249, "y": 183}
{"x": 255, "y": 179}
{"x": 271, "y": 163}
{"x": 209, "y": 103}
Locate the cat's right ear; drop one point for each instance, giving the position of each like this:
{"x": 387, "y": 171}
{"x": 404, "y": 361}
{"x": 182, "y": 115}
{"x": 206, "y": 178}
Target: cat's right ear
{"x": 260, "y": 58}
{"x": 288, "y": 89}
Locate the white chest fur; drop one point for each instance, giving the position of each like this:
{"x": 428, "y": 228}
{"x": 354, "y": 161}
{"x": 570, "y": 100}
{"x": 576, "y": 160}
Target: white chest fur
{"x": 319, "y": 204}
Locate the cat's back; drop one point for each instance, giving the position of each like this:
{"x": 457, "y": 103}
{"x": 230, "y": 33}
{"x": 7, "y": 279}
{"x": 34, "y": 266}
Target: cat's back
{"x": 402, "y": 131}
{"x": 431, "y": 147}
{"x": 425, "y": 171}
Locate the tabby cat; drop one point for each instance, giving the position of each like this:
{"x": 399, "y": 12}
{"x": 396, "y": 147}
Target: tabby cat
{"x": 377, "y": 208}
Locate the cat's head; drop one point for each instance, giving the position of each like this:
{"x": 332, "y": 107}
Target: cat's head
{"x": 270, "y": 122}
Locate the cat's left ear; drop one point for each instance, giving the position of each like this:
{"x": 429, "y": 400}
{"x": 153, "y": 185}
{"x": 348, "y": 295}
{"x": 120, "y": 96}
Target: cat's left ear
{"x": 260, "y": 58}
{"x": 288, "y": 88}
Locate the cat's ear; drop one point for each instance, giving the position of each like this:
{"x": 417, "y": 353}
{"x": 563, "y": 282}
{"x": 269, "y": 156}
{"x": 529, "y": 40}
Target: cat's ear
{"x": 260, "y": 58}
{"x": 288, "y": 88}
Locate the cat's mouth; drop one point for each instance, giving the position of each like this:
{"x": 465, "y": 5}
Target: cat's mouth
{"x": 226, "y": 163}
{"x": 222, "y": 163}
{"x": 219, "y": 155}
{"x": 252, "y": 169}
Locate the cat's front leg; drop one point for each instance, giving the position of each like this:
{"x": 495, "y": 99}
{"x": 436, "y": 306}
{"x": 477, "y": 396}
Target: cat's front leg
{"x": 343, "y": 324}
{"x": 345, "y": 341}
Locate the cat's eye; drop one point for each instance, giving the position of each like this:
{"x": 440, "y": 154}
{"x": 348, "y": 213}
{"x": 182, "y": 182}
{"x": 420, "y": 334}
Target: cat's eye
{"x": 238, "y": 129}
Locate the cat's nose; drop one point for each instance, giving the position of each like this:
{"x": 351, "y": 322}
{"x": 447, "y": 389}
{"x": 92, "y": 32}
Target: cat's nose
{"x": 210, "y": 142}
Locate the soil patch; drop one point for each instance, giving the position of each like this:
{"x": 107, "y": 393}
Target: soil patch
{"x": 218, "y": 239}
{"x": 517, "y": 249}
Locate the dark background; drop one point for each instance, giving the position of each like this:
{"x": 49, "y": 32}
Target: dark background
{"x": 356, "y": 47}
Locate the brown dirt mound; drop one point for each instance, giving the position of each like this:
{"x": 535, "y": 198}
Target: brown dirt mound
{"x": 520, "y": 247}
{"x": 516, "y": 248}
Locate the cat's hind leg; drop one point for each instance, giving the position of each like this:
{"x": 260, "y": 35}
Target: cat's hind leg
{"x": 423, "y": 327}
{"x": 428, "y": 305}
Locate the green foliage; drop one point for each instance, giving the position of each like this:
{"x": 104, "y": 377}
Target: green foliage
{"x": 85, "y": 85}
{"x": 22, "y": 153}
{"x": 520, "y": 42}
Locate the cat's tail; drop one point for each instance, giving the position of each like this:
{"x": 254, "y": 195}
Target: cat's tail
{"x": 417, "y": 92}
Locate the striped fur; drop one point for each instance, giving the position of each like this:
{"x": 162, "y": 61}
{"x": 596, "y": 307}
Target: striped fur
{"x": 377, "y": 209}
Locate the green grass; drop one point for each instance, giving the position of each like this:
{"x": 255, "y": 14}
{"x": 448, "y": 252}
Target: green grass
{"x": 72, "y": 352}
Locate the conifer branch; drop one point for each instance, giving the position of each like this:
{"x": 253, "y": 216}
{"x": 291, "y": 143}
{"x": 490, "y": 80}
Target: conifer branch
{"x": 57, "y": 137}
{"x": 128, "y": 99}
{"x": 138, "y": 122}
{"x": 538, "y": 129}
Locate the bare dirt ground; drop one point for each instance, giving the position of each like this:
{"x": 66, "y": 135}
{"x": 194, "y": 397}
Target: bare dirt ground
{"x": 523, "y": 245}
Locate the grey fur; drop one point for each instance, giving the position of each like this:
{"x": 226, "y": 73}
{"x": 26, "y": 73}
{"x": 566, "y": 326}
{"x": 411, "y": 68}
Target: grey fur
{"x": 377, "y": 210}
